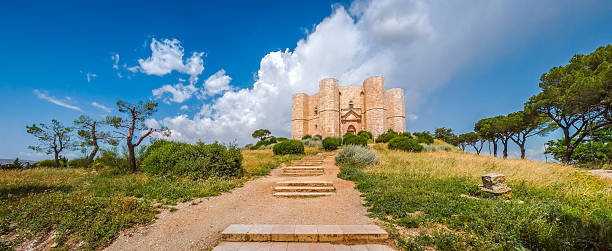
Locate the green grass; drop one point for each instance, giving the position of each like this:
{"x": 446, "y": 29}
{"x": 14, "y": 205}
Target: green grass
{"x": 93, "y": 206}
{"x": 433, "y": 200}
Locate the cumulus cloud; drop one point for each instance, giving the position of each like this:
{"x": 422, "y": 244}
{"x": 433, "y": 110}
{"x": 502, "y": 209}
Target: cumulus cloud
{"x": 417, "y": 45}
{"x": 89, "y": 76}
{"x": 178, "y": 92}
{"x": 167, "y": 56}
{"x": 115, "y": 59}
{"x": 217, "y": 83}
{"x": 101, "y": 106}
{"x": 184, "y": 107}
{"x": 45, "y": 96}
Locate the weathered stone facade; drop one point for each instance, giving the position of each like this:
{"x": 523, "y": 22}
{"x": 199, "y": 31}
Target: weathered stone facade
{"x": 336, "y": 110}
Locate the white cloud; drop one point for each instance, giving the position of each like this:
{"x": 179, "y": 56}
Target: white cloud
{"x": 411, "y": 116}
{"x": 184, "y": 107}
{"x": 89, "y": 76}
{"x": 179, "y": 92}
{"x": 115, "y": 59}
{"x": 217, "y": 83}
{"x": 45, "y": 95}
{"x": 101, "y": 106}
{"x": 417, "y": 45}
{"x": 167, "y": 56}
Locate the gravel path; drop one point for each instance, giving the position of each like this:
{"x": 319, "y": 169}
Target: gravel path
{"x": 197, "y": 227}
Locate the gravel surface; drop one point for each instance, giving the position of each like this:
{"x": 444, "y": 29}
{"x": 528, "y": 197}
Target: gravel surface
{"x": 197, "y": 227}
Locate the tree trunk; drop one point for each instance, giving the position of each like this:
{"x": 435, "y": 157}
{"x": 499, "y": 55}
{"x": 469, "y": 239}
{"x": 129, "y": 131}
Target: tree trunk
{"x": 522, "y": 146}
{"x": 505, "y": 148}
{"x": 94, "y": 139}
{"x": 93, "y": 153}
{"x": 57, "y": 163}
{"x": 567, "y": 156}
{"x": 132, "y": 157}
{"x": 495, "y": 148}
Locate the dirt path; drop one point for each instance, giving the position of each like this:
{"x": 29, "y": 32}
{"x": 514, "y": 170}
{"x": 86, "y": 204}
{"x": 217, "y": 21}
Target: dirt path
{"x": 196, "y": 227}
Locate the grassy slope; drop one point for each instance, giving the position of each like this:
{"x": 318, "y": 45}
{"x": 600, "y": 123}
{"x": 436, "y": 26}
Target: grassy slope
{"x": 433, "y": 199}
{"x": 93, "y": 206}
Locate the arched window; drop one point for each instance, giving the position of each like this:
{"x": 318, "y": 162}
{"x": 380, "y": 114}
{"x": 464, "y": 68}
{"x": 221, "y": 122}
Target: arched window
{"x": 351, "y": 104}
{"x": 316, "y": 111}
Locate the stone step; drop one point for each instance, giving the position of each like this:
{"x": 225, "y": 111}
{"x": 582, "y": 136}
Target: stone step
{"x": 309, "y": 163}
{"x": 301, "y": 194}
{"x": 285, "y": 170}
{"x": 305, "y": 233}
{"x": 304, "y": 189}
{"x": 300, "y": 183}
{"x": 293, "y": 174}
{"x": 289, "y": 246}
{"x": 303, "y": 168}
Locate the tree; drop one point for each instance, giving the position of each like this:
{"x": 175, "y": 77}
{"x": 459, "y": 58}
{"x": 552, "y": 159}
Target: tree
{"x": 487, "y": 129}
{"x": 526, "y": 124}
{"x": 52, "y": 138}
{"x": 461, "y": 141}
{"x": 261, "y": 134}
{"x": 473, "y": 139}
{"x": 136, "y": 116}
{"x": 446, "y": 135}
{"x": 90, "y": 134}
{"x": 577, "y": 97}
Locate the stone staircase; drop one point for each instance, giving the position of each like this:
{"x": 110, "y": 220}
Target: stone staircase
{"x": 297, "y": 189}
{"x": 298, "y": 171}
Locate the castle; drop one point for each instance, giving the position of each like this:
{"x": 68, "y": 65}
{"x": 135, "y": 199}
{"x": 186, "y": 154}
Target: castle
{"x": 336, "y": 110}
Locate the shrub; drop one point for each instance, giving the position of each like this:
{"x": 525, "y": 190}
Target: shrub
{"x": 79, "y": 163}
{"x": 319, "y": 137}
{"x": 264, "y": 142}
{"x": 307, "y": 136}
{"x": 281, "y": 139}
{"x": 386, "y": 137}
{"x": 49, "y": 163}
{"x": 355, "y": 140}
{"x": 357, "y": 156}
{"x": 405, "y": 144}
{"x": 331, "y": 143}
{"x": 424, "y": 137}
{"x": 288, "y": 147}
{"x": 405, "y": 134}
{"x": 367, "y": 135}
{"x": 199, "y": 161}
{"x": 267, "y": 147}
{"x": 313, "y": 142}
{"x": 428, "y": 148}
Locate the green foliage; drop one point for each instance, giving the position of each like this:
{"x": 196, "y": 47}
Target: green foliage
{"x": 424, "y": 137}
{"x": 261, "y": 134}
{"x": 265, "y": 142}
{"x": 288, "y": 147}
{"x": 356, "y": 156}
{"x": 16, "y": 165}
{"x": 49, "y": 163}
{"x": 351, "y": 139}
{"x": 331, "y": 143}
{"x": 367, "y": 135}
{"x": 52, "y": 138}
{"x": 446, "y": 135}
{"x": 314, "y": 142}
{"x": 405, "y": 144}
{"x": 279, "y": 139}
{"x": 307, "y": 136}
{"x": 405, "y": 134}
{"x": 79, "y": 163}
{"x": 195, "y": 162}
{"x": 319, "y": 137}
{"x": 387, "y": 136}
{"x": 585, "y": 153}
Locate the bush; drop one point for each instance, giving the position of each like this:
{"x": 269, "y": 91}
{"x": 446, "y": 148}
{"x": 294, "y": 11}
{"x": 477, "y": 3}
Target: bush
{"x": 367, "y": 135}
{"x": 319, "y": 137}
{"x": 49, "y": 163}
{"x": 313, "y": 142}
{"x": 288, "y": 147}
{"x": 79, "y": 163}
{"x": 307, "y": 136}
{"x": 405, "y": 134}
{"x": 331, "y": 143}
{"x": 199, "y": 161}
{"x": 405, "y": 144}
{"x": 281, "y": 139}
{"x": 264, "y": 142}
{"x": 424, "y": 137}
{"x": 387, "y": 136}
{"x": 428, "y": 148}
{"x": 357, "y": 156}
{"x": 355, "y": 140}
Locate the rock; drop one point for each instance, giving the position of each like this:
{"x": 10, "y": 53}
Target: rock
{"x": 494, "y": 183}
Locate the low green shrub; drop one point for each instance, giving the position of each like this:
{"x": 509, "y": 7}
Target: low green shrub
{"x": 405, "y": 144}
{"x": 49, "y": 163}
{"x": 199, "y": 161}
{"x": 288, "y": 147}
{"x": 281, "y": 139}
{"x": 354, "y": 140}
{"x": 367, "y": 135}
{"x": 79, "y": 163}
{"x": 307, "y": 136}
{"x": 267, "y": 141}
{"x": 331, "y": 143}
{"x": 356, "y": 156}
{"x": 428, "y": 148}
{"x": 267, "y": 147}
{"x": 319, "y": 137}
{"x": 424, "y": 137}
{"x": 405, "y": 134}
{"x": 386, "y": 137}
{"x": 313, "y": 142}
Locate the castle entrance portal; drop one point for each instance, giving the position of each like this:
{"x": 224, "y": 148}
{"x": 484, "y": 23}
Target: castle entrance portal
{"x": 351, "y": 129}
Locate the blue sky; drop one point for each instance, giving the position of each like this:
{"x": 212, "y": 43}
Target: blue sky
{"x": 458, "y": 62}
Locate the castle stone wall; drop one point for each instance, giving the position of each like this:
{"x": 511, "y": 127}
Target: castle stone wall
{"x": 396, "y": 118}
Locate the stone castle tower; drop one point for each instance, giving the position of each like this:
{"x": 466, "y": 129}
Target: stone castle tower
{"x": 336, "y": 110}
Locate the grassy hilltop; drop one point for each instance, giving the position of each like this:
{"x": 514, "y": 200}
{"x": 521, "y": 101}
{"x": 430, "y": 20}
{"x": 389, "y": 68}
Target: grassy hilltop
{"x": 432, "y": 199}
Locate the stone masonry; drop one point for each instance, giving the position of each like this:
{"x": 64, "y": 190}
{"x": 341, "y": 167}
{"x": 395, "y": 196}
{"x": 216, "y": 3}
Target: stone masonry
{"x": 336, "y": 110}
